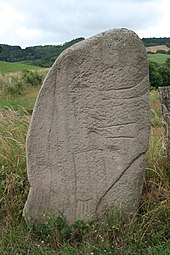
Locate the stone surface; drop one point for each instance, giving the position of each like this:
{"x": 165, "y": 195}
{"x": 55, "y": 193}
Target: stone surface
{"x": 87, "y": 141}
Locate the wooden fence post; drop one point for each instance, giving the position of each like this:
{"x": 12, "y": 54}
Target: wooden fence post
{"x": 164, "y": 93}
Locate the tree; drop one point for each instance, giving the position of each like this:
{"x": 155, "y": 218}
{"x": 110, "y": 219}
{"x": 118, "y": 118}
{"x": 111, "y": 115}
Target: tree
{"x": 164, "y": 71}
{"x": 167, "y": 62}
{"x": 154, "y": 75}
{"x": 161, "y": 51}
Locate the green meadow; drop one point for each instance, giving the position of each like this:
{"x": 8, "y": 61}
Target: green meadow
{"x": 9, "y": 67}
{"x": 158, "y": 57}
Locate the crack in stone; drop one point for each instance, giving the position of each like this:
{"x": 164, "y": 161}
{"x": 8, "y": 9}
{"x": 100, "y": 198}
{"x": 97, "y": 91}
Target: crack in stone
{"x": 84, "y": 200}
{"x": 117, "y": 125}
{"x": 122, "y": 99}
{"x": 75, "y": 197}
{"x": 129, "y": 88}
{"x": 49, "y": 133}
{"x": 121, "y": 137}
{"x": 105, "y": 193}
{"x": 98, "y": 128}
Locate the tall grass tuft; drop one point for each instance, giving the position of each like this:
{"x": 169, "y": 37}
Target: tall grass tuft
{"x": 13, "y": 181}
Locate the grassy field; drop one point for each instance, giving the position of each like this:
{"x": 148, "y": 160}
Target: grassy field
{"x": 157, "y": 47}
{"x": 146, "y": 233}
{"x": 158, "y": 58}
{"x": 8, "y": 67}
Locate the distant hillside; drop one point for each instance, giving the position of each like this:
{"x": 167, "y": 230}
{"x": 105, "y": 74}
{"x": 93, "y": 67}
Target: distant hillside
{"x": 154, "y": 49}
{"x": 38, "y": 55}
{"x": 156, "y": 41}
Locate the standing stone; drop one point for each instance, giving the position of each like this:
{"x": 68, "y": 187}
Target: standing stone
{"x": 87, "y": 141}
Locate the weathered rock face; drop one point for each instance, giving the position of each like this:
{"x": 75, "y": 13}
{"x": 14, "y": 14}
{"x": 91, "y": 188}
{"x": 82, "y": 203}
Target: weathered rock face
{"x": 89, "y": 132}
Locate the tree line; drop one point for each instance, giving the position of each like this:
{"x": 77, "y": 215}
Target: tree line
{"x": 43, "y": 56}
{"x": 156, "y": 41}
{"x": 159, "y": 75}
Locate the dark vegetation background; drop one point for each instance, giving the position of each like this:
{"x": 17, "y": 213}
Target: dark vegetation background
{"x": 156, "y": 41}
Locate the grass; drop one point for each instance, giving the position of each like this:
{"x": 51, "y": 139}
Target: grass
{"x": 17, "y": 93}
{"x": 20, "y": 103}
{"x": 158, "y": 57}
{"x": 8, "y": 67}
{"x": 147, "y": 232}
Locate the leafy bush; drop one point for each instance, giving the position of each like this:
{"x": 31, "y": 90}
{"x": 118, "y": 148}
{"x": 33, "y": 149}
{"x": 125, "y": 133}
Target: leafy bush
{"x": 18, "y": 83}
{"x": 159, "y": 75}
{"x": 15, "y": 87}
{"x": 161, "y": 51}
{"x": 150, "y": 52}
{"x": 168, "y": 62}
{"x": 32, "y": 78}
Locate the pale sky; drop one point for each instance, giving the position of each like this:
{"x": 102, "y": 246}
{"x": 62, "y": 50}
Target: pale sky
{"x": 41, "y": 22}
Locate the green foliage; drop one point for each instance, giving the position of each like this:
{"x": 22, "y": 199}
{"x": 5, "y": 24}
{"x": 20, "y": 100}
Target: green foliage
{"x": 159, "y": 70}
{"x": 154, "y": 76}
{"x": 156, "y": 41}
{"x": 150, "y": 52}
{"x": 17, "y": 84}
{"x": 168, "y": 62}
{"x": 159, "y": 75}
{"x": 164, "y": 71}
{"x": 161, "y": 51}
{"x": 32, "y": 78}
{"x": 15, "y": 87}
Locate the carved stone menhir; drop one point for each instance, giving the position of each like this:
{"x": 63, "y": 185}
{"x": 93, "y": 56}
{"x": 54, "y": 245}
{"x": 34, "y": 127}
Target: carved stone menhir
{"x": 87, "y": 141}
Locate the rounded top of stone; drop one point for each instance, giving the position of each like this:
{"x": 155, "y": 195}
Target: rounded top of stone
{"x": 117, "y": 34}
